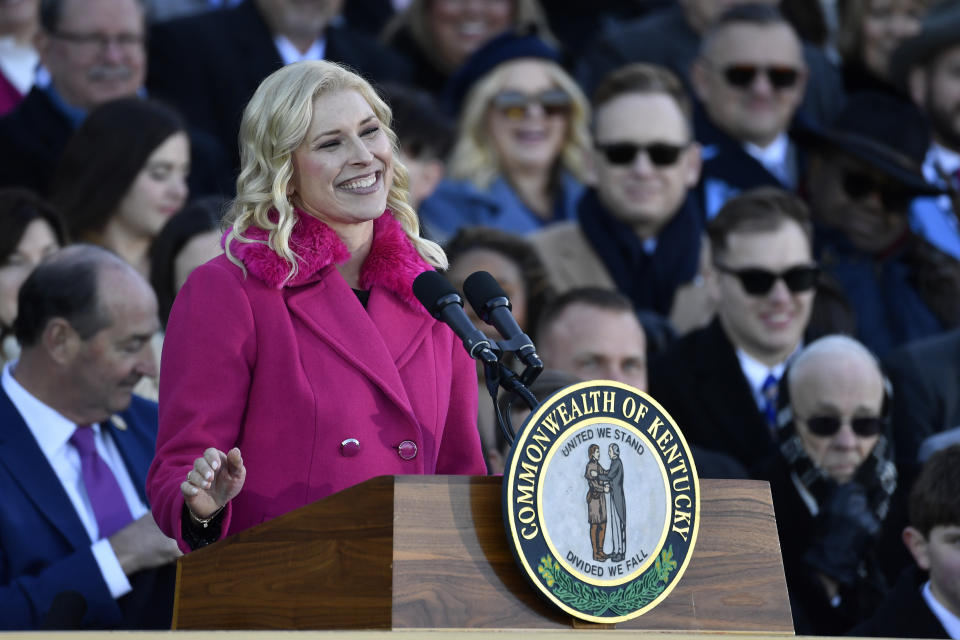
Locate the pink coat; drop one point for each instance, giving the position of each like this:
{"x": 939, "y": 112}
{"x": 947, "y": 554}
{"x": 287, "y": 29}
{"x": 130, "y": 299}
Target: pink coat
{"x": 288, "y": 372}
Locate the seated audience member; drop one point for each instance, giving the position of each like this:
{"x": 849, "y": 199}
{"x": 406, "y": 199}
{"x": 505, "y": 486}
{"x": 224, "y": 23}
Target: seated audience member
{"x": 720, "y": 382}
{"x": 18, "y": 57}
{"x": 122, "y": 176}
{"x": 926, "y": 383}
{"x": 926, "y": 65}
{"x": 594, "y": 333}
{"x": 187, "y": 240}
{"x": 515, "y": 266}
{"x": 209, "y": 65}
{"x": 518, "y": 161}
{"x": 438, "y": 35}
{"x": 864, "y": 169}
{"x": 925, "y": 601}
{"x": 869, "y": 31}
{"x": 832, "y": 480}
{"x": 425, "y": 135}
{"x": 749, "y": 78}
{"x": 638, "y": 229}
{"x": 673, "y": 37}
{"x": 75, "y": 452}
{"x": 93, "y": 52}
{"x": 30, "y": 230}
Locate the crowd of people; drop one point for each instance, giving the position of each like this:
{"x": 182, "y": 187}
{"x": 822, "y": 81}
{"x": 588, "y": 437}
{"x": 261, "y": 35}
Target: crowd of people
{"x": 212, "y": 213}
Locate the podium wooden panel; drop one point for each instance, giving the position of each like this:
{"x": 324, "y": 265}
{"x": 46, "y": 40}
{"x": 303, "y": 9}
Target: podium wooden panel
{"x": 409, "y": 552}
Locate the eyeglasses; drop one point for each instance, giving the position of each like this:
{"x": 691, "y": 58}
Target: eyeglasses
{"x": 742, "y": 76}
{"x": 101, "y": 41}
{"x": 859, "y": 184}
{"x": 515, "y": 105}
{"x": 864, "y": 426}
{"x": 661, "y": 154}
{"x": 758, "y": 282}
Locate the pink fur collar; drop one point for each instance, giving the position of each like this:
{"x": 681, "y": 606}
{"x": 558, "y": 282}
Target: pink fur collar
{"x": 393, "y": 262}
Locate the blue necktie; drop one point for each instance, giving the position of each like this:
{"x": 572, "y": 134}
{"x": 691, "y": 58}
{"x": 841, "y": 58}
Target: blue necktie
{"x": 769, "y": 392}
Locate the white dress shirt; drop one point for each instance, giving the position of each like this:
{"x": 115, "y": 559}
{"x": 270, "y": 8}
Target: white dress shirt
{"x": 52, "y": 432}
{"x": 950, "y": 622}
{"x": 779, "y": 158}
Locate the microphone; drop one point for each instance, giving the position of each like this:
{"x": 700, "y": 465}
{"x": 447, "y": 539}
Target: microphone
{"x": 444, "y": 303}
{"x": 66, "y": 611}
{"x": 490, "y": 302}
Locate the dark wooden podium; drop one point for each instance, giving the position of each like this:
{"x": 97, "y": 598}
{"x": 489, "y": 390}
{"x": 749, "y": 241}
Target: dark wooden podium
{"x": 406, "y": 552}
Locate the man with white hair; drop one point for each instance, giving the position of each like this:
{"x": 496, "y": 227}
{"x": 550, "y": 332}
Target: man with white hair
{"x": 831, "y": 481}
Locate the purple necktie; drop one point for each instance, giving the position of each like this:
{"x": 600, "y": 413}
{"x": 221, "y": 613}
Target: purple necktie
{"x": 106, "y": 498}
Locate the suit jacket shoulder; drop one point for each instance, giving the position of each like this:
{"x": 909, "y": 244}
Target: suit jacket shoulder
{"x": 569, "y": 259}
{"x": 32, "y": 137}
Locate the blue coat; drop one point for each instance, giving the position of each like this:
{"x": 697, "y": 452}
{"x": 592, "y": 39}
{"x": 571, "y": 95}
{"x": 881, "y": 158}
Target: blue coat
{"x": 44, "y": 548}
{"x": 459, "y": 203}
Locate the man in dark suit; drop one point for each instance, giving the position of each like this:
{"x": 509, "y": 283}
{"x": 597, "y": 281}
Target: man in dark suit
{"x": 93, "y": 52}
{"x": 210, "y": 64}
{"x": 74, "y": 452}
{"x": 720, "y": 382}
{"x": 749, "y": 77}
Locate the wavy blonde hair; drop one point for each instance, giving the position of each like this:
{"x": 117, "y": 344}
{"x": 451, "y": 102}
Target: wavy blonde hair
{"x": 275, "y": 122}
{"x": 474, "y": 157}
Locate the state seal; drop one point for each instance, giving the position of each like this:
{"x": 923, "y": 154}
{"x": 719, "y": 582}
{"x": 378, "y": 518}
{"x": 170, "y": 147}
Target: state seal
{"x": 601, "y": 501}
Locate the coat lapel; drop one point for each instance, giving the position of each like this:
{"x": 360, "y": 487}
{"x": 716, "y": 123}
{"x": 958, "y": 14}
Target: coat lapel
{"x": 21, "y": 455}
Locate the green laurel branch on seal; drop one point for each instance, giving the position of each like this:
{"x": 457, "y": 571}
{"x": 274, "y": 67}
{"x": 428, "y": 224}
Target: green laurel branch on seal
{"x": 620, "y": 602}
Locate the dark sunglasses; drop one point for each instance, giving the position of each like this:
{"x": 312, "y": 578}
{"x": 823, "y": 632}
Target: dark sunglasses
{"x": 864, "y": 426}
{"x": 661, "y": 154}
{"x": 515, "y": 105}
{"x": 860, "y": 184}
{"x": 758, "y": 282}
{"x": 742, "y": 76}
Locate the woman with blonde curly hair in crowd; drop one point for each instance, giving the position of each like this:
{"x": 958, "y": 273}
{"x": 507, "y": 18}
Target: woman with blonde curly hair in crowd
{"x": 518, "y": 161}
{"x": 303, "y": 347}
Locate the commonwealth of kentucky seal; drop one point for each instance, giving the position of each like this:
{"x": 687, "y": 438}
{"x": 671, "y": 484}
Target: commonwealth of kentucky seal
{"x": 601, "y": 501}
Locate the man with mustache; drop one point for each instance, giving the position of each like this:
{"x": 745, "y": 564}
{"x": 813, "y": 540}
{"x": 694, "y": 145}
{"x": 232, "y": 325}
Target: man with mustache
{"x": 74, "y": 453}
{"x": 91, "y": 52}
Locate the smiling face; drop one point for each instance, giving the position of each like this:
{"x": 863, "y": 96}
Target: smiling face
{"x": 38, "y": 241}
{"x": 769, "y": 326}
{"x": 757, "y": 112}
{"x": 158, "y": 191}
{"x": 98, "y": 52}
{"x": 842, "y": 384}
{"x": 343, "y": 169}
{"x": 533, "y": 141}
{"x": 460, "y": 27}
{"x": 641, "y": 193}
{"x": 887, "y": 23}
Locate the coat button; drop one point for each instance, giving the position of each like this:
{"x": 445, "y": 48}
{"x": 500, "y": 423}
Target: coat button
{"x": 350, "y": 447}
{"x": 407, "y": 449}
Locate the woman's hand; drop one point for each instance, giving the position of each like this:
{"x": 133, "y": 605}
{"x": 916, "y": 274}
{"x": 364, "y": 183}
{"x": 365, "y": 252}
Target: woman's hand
{"x": 215, "y": 480}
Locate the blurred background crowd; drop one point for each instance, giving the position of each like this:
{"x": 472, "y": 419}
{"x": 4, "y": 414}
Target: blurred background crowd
{"x": 748, "y": 209}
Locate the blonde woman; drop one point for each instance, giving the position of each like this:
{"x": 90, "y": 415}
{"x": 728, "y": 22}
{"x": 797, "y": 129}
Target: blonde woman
{"x": 518, "y": 162}
{"x": 303, "y": 346}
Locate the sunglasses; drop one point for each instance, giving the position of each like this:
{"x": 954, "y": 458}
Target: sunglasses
{"x": 661, "y": 154}
{"x": 758, "y": 282}
{"x": 859, "y": 184}
{"x": 742, "y": 76}
{"x": 515, "y": 105}
{"x": 864, "y": 426}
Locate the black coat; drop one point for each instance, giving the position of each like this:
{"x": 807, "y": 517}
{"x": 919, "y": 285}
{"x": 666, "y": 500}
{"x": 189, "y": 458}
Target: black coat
{"x": 698, "y": 380}
{"x": 32, "y": 138}
{"x": 209, "y": 65}
{"x": 904, "y": 613}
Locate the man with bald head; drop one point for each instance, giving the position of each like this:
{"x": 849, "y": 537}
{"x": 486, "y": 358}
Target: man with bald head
{"x": 76, "y": 533}
{"x": 832, "y": 479}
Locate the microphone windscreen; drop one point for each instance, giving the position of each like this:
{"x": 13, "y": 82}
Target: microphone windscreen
{"x": 480, "y": 287}
{"x": 429, "y": 287}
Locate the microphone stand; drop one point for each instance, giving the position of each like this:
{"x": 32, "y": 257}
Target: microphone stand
{"x": 496, "y": 375}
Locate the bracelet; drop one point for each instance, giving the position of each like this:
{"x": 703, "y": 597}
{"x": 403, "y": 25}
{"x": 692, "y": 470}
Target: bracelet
{"x": 205, "y": 522}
